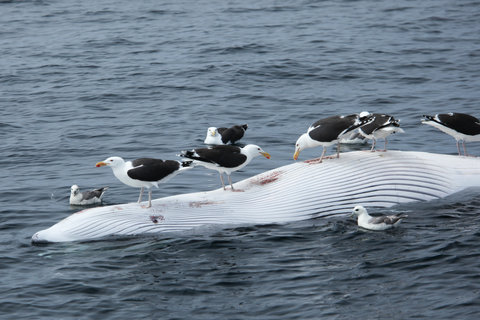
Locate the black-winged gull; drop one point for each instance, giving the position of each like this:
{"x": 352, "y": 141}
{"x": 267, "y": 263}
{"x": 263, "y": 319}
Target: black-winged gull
{"x": 225, "y": 159}
{"x": 381, "y": 127}
{"x": 463, "y": 127}
{"x": 328, "y": 131}
{"x": 144, "y": 172}
{"x": 220, "y": 136}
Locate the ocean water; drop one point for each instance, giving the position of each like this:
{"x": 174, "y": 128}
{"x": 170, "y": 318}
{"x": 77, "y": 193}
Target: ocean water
{"x": 81, "y": 81}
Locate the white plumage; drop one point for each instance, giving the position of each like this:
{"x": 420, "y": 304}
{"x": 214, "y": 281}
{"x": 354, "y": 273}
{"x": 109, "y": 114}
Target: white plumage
{"x": 462, "y": 127}
{"x": 224, "y": 159}
{"x": 381, "y": 127}
{"x": 144, "y": 172}
{"x": 328, "y": 131}
{"x": 86, "y": 197}
{"x": 366, "y": 221}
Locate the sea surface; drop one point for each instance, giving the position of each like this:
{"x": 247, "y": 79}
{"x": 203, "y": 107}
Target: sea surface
{"x": 84, "y": 80}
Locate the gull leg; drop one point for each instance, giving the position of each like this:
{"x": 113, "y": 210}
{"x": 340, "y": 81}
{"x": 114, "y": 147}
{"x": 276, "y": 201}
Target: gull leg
{"x": 464, "y": 149}
{"x": 458, "y": 148}
{"x": 318, "y": 160}
{"x": 149, "y": 198}
{"x": 385, "y": 148}
{"x": 140, "y": 196}
{"x": 230, "y": 181}
{"x": 223, "y": 183}
{"x": 374, "y": 142}
{"x": 338, "y": 149}
{"x": 323, "y": 154}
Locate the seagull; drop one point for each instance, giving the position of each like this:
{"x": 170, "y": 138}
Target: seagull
{"x": 328, "y": 131}
{"x": 463, "y": 127}
{"x": 87, "y": 197}
{"x": 219, "y": 136}
{"x": 224, "y": 159}
{"x": 376, "y": 223}
{"x": 382, "y": 126}
{"x": 144, "y": 172}
{"x": 354, "y": 137}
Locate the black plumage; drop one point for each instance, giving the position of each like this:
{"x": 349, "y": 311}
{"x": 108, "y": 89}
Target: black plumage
{"x": 232, "y": 134}
{"x": 328, "y": 131}
{"x": 144, "y": 172}
{"x": 460, "y": 122}
{"x": 225, "y": 156}
{"x": 461, "y": 126}
{"x": 379, "y": 122}
{"x": 331, "y": 128}
{"x": 382, "y": 126}
{"x": 149, "y": 169}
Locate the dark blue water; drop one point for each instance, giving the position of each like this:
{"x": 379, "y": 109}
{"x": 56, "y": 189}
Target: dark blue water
{"x": 84, "y": 80}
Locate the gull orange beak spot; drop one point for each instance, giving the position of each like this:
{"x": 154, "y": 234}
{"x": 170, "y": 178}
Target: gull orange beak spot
{"x": 100, "y": 164}
{"x": 295, "y": 155}
{"x": 265, "y": 154}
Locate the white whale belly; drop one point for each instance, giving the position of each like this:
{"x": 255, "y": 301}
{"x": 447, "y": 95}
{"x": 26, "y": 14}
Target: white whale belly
{"x": 301, "y": 190}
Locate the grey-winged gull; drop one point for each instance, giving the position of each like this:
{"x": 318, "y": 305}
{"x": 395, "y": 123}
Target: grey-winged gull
{"x": 366, "y": 221}
{"x": 84, "y": 198}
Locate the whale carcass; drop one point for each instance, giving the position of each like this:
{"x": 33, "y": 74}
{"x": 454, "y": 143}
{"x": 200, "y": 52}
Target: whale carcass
{"x": 301, "y": 190}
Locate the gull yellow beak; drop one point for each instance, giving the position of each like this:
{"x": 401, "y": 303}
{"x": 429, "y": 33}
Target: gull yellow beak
{"x": 100, "y": 164}
{"x": 295, "y": 155}
{"x": 265, "y": 154}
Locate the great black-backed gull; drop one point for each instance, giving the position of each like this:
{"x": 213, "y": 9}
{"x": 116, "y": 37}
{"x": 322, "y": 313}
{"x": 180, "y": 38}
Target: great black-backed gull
{"x": 225, "y": 159}
{"x": 328, "y": 131}
{"x": 84, "y": 198}
{"x": 219, "y": 136}
{"x": 463, "y": 127}
{"x": 381, "y": 127}
{"x": 144, "y": 172}
{"x": 366, "y": 221}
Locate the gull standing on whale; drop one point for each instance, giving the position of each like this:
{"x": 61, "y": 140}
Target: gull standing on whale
{"x": 463, "y": 127}
{"x": 381, "y": 127}
{"x": 224, "y": 159}
{"x": 144, "y": 172}
{"x": 328, "y": 131}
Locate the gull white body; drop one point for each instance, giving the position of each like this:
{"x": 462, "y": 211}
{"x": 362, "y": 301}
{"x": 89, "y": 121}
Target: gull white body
{"x": 298, "y": 191}
{"x": 121, "y": 170}
{"x": 213, "y": 137}
{"x": 366, "y": 221}
{"x": 383, "y": 133}
{"x": 462, "y": 127}
{"x": 328, "y": 131}
{"x": 79, "y": 198}
{"x": 251, "y": 151}
{"x": 224, "y": 158}
{"x": 458, "y": 136}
